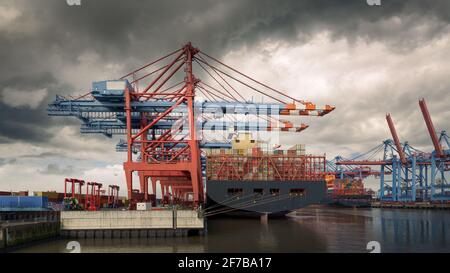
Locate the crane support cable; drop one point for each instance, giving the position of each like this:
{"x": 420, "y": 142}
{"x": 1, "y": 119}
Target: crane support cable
{"x": 251, "y": 203}
{"x": 152, "y": 72}
{"x": 241, "y": 82}
{"x": 151, "y": 63}
{"x": 164, "y": 81}
{"x": 218, "y": 74}
{"x": 168, "y": 88}
{"x": 241, "y": 204}
{"x": 177, "y": 58}
{"x": 250, "y": 78}
{"x": 214, "y": 95}
{"x": 218, "y": 91}
{"x": 368, "y": 152}
{"x": 209, "y": 97}
{"x": 83, "y": 96}
{"x": 270, "y": 117}
{"x": 229, "y": 201}
{"x": 215, "y": 79}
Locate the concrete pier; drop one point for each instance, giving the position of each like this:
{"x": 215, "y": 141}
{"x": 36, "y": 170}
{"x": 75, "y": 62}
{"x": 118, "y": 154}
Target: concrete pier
{"x": 130, "y": 224}
{"x": 18, "y": 233}
{"x": 29, "y": 216}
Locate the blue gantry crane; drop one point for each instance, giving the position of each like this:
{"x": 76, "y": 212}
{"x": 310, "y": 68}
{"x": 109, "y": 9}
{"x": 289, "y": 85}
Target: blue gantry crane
{"x": 408, "y": 174}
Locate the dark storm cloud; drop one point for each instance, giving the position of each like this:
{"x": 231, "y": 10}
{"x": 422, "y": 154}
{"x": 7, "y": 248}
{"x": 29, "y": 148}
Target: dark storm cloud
{"x": 128, "y": 32}
{"x": 22, "y": 123}
{"x": 120, "y": 28}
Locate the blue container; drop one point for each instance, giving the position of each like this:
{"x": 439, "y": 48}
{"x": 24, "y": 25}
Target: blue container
{"x": 11, "y": 203}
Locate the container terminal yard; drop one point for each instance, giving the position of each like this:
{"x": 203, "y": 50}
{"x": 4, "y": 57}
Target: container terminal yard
{"x": 272, "y": 131}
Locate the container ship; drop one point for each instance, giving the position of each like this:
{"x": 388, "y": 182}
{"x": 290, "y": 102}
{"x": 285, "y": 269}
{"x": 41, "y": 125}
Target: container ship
{"x": 349, "y": 192}
{"x": 249, "y": 180}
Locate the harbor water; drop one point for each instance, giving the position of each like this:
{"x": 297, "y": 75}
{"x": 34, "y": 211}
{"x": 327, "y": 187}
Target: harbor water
{"x": 313, "y": 229}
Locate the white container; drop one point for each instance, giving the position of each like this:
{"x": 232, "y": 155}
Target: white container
{"x": 143, "y": 206}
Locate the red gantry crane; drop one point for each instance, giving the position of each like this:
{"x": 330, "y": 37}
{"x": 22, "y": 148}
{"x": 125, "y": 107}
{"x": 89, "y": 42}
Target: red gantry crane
{"x": 159, "y": 158}
{"x": 92, "y": 198}
{"x": 74, "y": 184}
{"x": 113, "y": 195}
{"x": 164, "y": 110}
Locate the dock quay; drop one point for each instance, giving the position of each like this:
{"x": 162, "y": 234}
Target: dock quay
{"x": 406, "y": 205}
{"x": 131, "y": 224}
{"x": 18, "y": 228}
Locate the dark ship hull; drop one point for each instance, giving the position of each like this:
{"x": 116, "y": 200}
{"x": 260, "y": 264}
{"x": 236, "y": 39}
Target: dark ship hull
{"x": 354, "y": 201}
{"x": 256, "y": 198}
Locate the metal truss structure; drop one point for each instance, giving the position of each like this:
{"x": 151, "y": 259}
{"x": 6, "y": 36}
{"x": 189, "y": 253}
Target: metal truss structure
{"x": 166, "y": 112}
{"x": 406, "y": 173}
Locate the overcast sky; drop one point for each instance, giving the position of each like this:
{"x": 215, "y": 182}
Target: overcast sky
{"x": 365, "y": 60}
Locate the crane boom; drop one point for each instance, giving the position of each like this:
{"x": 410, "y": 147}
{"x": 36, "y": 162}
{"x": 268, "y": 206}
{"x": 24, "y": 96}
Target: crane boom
{"x": 396, "y": 139}
{"x": 430, "y": 126}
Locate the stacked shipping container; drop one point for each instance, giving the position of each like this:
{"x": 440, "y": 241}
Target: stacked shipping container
{"x": 262, "y": 165}
{"x": 346, "y": 187}
{"x": 52, "y": 196}
{"x": 11, "y": 203}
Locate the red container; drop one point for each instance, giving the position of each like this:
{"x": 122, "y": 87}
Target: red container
{"x": 256, "y": 151}
{"x": 265, "y": 166}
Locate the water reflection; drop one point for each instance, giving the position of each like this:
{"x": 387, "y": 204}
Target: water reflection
{"x": 249, "y": 235}
{"x": 416, "y": 230}
{"x": 310, "y": 230}
{"x": 349, "y": 230}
